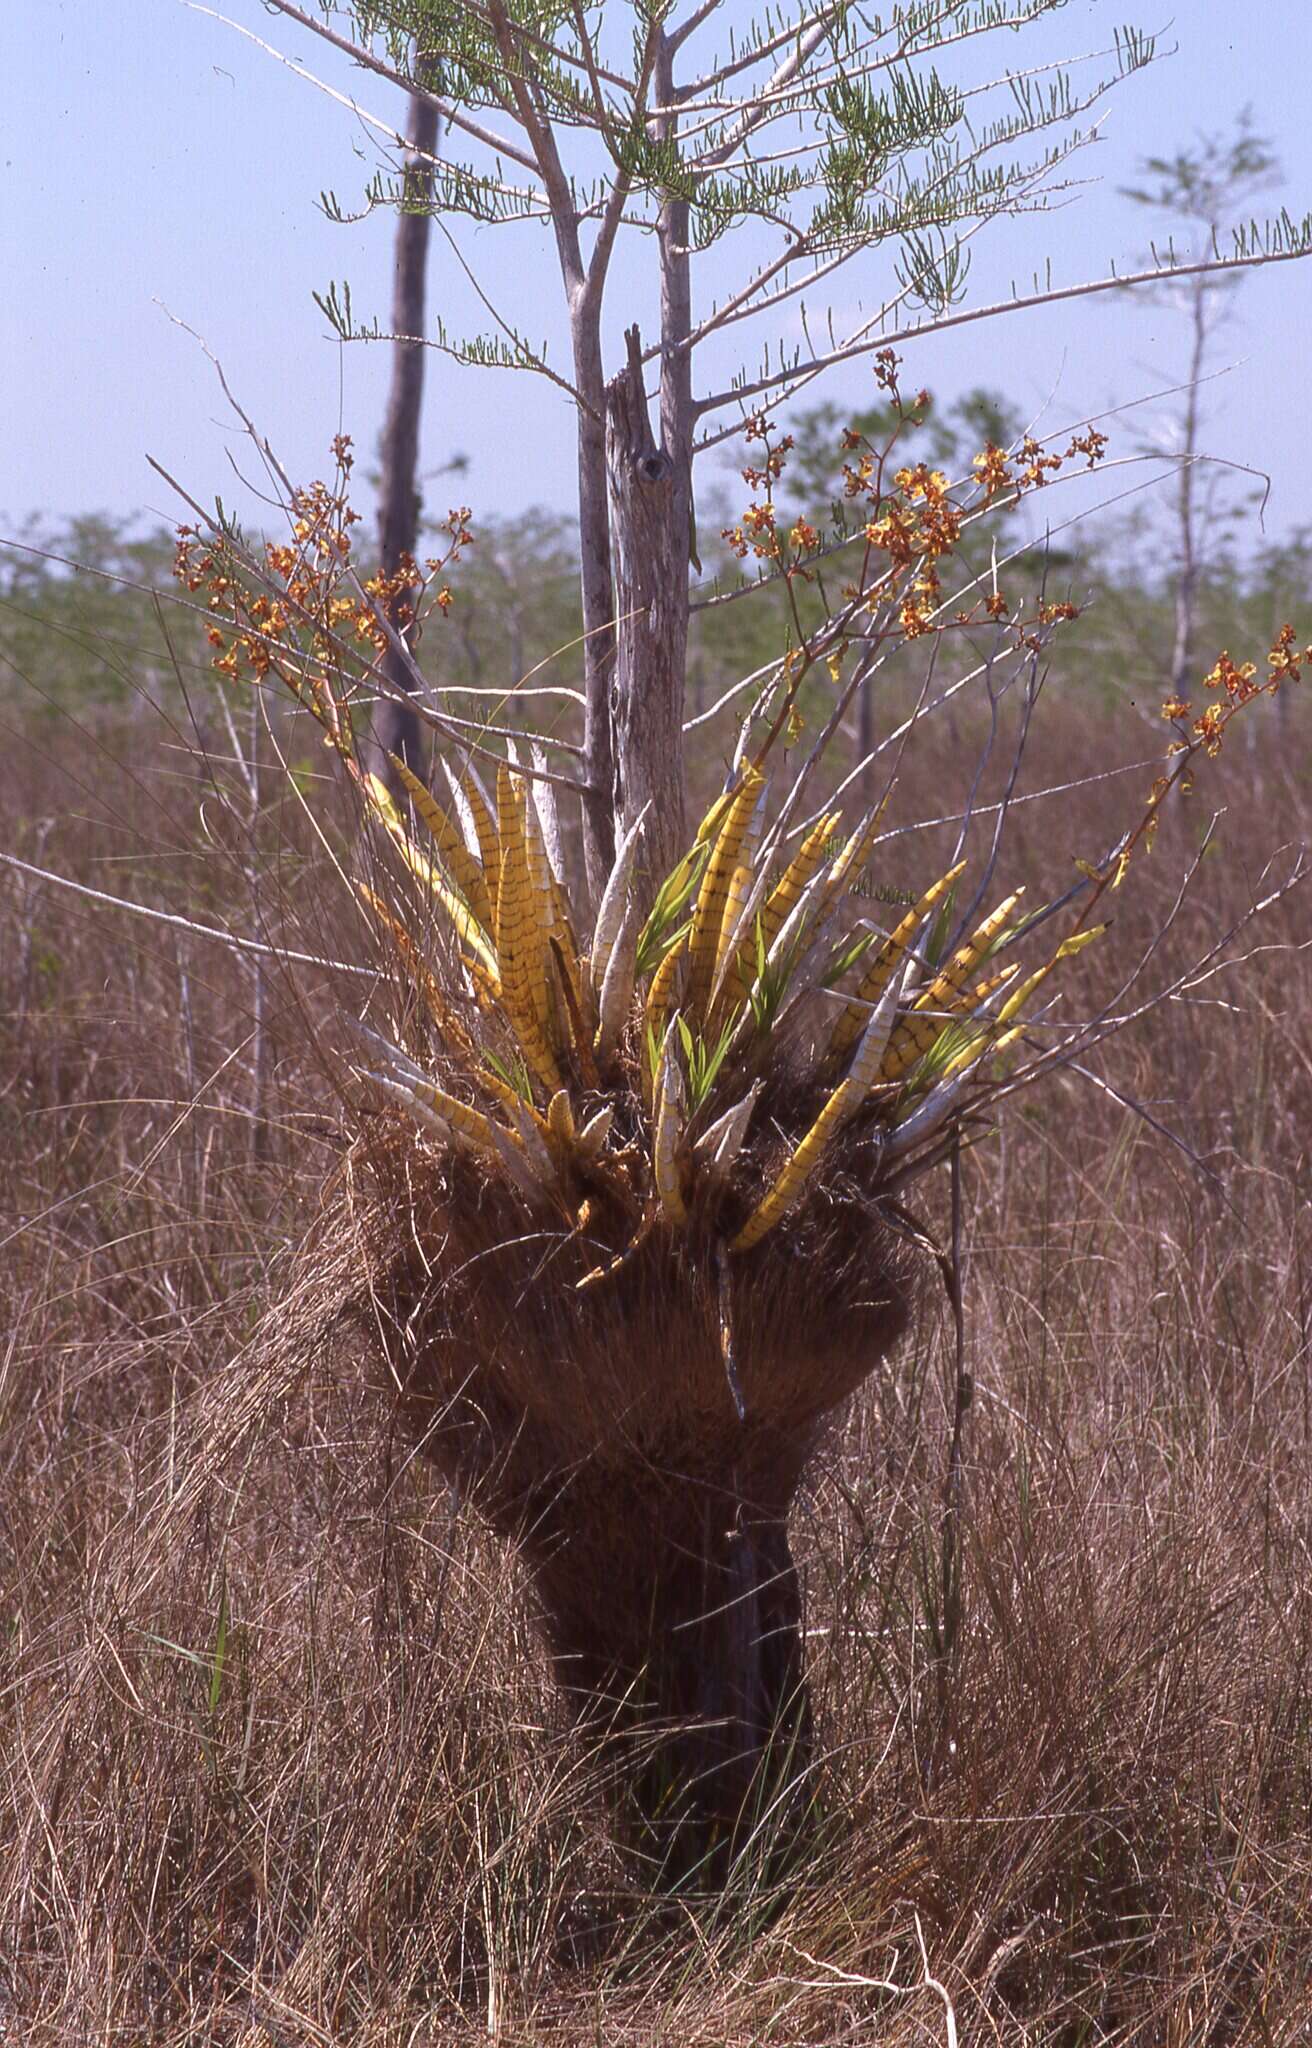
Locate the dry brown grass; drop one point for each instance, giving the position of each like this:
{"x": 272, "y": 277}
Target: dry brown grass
{"x": 369, "y": 1821}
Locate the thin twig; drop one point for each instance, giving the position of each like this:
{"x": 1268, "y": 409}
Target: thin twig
{"x": 188, "y": 924}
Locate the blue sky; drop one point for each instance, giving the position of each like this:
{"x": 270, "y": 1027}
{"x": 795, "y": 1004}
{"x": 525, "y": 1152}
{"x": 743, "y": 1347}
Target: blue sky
{"x": 153, "y": 159}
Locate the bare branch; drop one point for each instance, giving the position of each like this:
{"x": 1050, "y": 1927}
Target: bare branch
{"x": 537, "y": 127}
{"x": 784, "y": 378}
{"x": 906, "y": 48}
{"x": 807, "y": 44}
{"x": 679, "y": 36}
{"x": 450, "y": 114}
{"x": 187, "y": 924}
{"x": 899, "y": 298}
{"x": 392, "y": 135}
{"x": 605, "y": 125}
{"x": 617, "y": 198}
{"x": 804, "y": 26}
{"x": 558, "y": 53}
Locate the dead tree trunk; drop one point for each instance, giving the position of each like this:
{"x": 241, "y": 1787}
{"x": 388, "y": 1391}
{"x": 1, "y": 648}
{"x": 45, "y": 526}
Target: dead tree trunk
{"x": 395, "y": 724}
{"x": 598, "y": 593}
{"x": 1187, "y": 574}
{"x": 650, "y": 564}
{"x": 650, "y": 508}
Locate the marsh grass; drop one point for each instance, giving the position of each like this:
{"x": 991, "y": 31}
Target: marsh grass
{"x": 281, "y": 1747}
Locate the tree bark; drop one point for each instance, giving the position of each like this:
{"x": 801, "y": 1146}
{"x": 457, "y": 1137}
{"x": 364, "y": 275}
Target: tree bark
{"x": 396, "y": 726}
{"x": 650, "y": 560}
